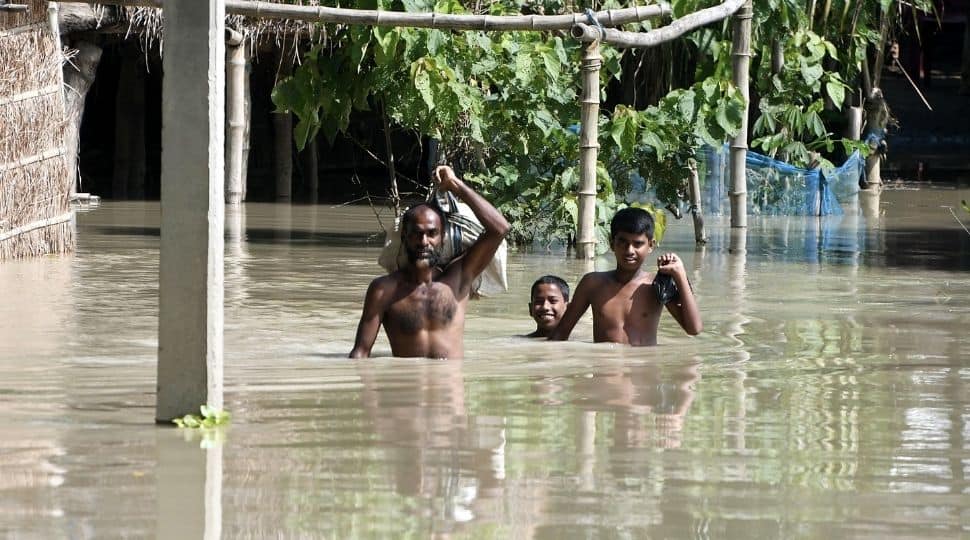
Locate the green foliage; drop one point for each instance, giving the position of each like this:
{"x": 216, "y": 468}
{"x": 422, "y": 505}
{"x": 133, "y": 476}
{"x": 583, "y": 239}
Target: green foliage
{"x": 209, "y": 418}
{"x": 504, "y": 104}
{"x": 965, "y": 207}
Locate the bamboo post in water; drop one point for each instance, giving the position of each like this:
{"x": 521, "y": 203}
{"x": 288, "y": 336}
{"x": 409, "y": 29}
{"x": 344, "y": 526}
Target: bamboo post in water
{"x": 741, "y": 56}
{"x": 588, "y": 147}
{"x": 235, "y": 90}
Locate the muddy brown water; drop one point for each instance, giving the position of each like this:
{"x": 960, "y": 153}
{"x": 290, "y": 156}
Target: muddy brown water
{"x": 828, "y": 397}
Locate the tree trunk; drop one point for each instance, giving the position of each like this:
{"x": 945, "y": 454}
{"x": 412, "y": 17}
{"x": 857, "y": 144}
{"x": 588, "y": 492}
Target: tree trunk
{"x": 880, "y": 49}
{"x": 741, "y": 56}
{"x": 854, "y": 128}
{"x": 588, "y": 147}
{"x": 137, "y": 165}
{"x": 391, "y": 170}
{"x": 283, "y": 155}
{"x": 78, "y": 77}
{"x": 965, "y": 63}
{"x": 283, "y": 139}
{"x": 311, "y": 170}
{"x": 123, "y": 128}
{"x": 700, "y": 237}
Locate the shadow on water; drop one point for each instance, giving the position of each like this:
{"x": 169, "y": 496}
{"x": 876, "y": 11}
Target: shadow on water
{"x": 267, "y": 236}
{"x": 837, "y": 240}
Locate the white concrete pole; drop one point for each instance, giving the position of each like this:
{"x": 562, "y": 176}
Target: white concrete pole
{"x": 190, "y": 270}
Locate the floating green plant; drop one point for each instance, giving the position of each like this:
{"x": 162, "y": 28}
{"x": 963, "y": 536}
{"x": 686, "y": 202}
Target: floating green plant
{"x": 210, "y": 418}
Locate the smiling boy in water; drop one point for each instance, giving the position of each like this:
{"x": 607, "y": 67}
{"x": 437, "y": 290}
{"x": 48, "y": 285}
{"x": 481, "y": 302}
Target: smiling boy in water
{"x": 625, "y": 305}
{"x": 548, "y": 300}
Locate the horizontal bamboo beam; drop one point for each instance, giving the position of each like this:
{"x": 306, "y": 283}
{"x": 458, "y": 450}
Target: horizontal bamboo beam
{"x": 6, "y": 235}
{"x": 13, "y": 8}
{"x": 269, "y": 10}
{"x": 587, "y": 32}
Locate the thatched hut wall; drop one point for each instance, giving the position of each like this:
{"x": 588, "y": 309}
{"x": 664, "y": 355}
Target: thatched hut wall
{"x": 35, "y": 213}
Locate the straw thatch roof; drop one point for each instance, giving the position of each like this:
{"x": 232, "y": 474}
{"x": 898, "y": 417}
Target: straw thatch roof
{"x": 147, "y": 23}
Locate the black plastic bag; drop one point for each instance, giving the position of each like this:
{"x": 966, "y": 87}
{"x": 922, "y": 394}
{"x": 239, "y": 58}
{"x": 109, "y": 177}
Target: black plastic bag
{"x": 666, "y": 288}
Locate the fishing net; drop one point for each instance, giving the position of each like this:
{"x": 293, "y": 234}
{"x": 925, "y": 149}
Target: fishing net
{"x": 776, "y": 188}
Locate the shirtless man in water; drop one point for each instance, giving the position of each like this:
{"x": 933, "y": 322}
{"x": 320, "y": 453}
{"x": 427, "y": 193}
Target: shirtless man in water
{"x": 421, "y": 305}
{"x": 625, "y": 305}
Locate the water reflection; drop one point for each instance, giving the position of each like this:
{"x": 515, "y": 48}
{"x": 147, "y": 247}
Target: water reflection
{"x": 452, "y": 461}
{"x": 188, "y": 484}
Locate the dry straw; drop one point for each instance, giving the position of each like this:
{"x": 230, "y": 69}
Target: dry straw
{"x": 35, "y": 214}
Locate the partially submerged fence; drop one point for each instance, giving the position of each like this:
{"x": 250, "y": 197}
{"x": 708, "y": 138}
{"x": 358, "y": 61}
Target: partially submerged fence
{"x": 35, "y": 213}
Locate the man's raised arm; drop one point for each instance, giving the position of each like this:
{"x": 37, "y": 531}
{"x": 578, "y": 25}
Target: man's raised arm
{"x": 496, "y": 227}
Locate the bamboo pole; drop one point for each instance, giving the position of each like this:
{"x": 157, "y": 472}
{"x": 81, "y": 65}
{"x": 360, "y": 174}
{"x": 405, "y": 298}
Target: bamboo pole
{"x": 268, "y": 10}
{"x": 237, "y": 117}
{"x": 586, "y": 32}
{"x": 588, "y": 147}
{"x": 741, "y": 56}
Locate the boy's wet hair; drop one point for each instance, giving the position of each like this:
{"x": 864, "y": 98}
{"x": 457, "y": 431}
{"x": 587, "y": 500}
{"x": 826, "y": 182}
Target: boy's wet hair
{"x": 410, "y": 214}
{"x": 632, "y": 220}
{"x": 551, "y": 280}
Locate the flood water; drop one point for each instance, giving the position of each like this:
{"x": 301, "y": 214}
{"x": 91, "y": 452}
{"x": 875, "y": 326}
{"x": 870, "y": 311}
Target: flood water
{"x": 828, "y": 396}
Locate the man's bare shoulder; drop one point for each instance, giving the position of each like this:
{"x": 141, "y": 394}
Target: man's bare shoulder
{"x": 386, "y": 284}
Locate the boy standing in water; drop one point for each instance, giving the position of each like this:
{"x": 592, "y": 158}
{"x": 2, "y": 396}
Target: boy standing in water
{"x": 548, "y": 301}
{"x": 626, "y": 308}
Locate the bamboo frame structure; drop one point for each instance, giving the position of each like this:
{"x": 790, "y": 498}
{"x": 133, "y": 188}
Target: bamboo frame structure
{"x": 618, "y": 38}
{"x": 499, "y": 23}
{"x": 591, "y": 28}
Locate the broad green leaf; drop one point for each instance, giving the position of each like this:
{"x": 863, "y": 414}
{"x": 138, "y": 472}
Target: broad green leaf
{"x": 571, "y": 207}
{"x": 651, "y": 139}
{"x": 418, "y": 6}
{"x": 836, "y": 92}
{"x": 811, "y": 73}
{"x": 686, "y": 104}
{"x": 815, "y": 124}
{"x": 709, "y": 86}
{"x": 560, "y": 51}
{"x": 436, "y": 41}
{"x": 305, "y": 130}
{"x": 422, "y": 83}
{"x": 551, "y": 63}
